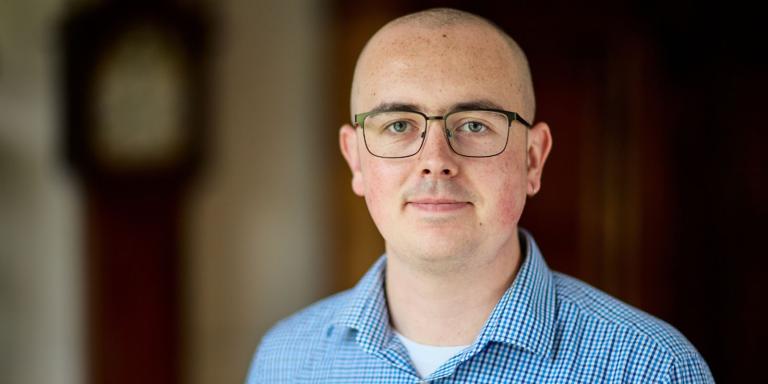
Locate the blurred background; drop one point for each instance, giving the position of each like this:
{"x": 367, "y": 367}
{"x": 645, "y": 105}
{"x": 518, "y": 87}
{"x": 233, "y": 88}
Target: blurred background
{"x": 170, "y": 184}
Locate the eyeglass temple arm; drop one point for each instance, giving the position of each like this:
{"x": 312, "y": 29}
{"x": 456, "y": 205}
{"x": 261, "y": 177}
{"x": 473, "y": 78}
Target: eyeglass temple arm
{"x": 515, "y": 116}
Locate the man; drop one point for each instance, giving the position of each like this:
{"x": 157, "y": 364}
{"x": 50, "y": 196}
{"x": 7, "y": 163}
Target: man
{"x": 442, "y": 151}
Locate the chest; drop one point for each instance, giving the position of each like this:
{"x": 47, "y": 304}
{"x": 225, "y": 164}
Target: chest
{"x": 495, "y": 363}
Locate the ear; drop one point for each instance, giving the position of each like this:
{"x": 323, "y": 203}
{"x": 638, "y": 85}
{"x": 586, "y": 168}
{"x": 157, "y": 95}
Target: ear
{"x": 539, "y": 145}
{"x": 349, "y": 144}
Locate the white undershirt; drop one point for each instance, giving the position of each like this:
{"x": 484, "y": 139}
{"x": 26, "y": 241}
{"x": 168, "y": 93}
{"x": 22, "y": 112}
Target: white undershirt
{"x": 428, "y": 358}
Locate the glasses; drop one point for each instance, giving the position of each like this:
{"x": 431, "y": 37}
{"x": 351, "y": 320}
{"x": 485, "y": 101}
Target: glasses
{"x": 471, "y": 133}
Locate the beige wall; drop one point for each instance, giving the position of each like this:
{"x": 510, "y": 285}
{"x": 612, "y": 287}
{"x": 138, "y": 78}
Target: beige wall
{"x": 257, "y": 249}
{"x": 255, "y": 245}
{"x": 40, "y": 290}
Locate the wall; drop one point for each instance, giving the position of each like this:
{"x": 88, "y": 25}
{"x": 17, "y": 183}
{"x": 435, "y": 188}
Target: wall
{"x": 257, "y": 251}
{"x": 40, "y": 279}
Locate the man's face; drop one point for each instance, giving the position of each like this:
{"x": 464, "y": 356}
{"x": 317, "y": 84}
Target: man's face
{"x": 437, "y": 207}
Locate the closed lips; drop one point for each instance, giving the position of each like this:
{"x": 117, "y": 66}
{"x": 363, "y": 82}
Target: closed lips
{"x": 432, "y": 204}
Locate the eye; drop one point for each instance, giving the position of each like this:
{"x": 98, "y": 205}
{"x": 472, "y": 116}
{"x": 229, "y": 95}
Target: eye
{"x": 473, "y": 126}
{"x": 398, "y": 127}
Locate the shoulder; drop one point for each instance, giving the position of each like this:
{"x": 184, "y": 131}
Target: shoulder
{"x": 642, "y": 339}
{"x": 290, "y": 341}
{"x": 308, "y": 320}
{"x": 581, "y": 300}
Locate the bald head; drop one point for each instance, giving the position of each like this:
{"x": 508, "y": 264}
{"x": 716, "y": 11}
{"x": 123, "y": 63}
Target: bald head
{"x": 444, "y": 63}
{"x": 448, "y": 43}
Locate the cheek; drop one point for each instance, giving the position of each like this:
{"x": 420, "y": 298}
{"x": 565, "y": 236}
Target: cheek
{"x": 381, "y": 183}
{"x": 510, "y": 194}
{"x": 377, "y": 203}
{"x": 511, "y": 206}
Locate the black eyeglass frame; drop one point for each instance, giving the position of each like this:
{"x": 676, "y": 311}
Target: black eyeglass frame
{"x": 511, "y": 116}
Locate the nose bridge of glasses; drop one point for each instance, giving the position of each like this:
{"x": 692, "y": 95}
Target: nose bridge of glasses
{"x": 443, "y": 133}
{"x": 428, "y": 119}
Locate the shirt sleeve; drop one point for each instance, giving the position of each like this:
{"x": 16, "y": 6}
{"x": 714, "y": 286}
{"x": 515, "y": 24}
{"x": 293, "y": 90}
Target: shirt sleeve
{"x": 690, "y": 369}
{"x": 255, "y": 370}
{"x": 264, "y": 363}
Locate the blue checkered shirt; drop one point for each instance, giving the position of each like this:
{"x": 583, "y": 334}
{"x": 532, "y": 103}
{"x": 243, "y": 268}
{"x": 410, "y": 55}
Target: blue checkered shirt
{"x": 546, "y": 328}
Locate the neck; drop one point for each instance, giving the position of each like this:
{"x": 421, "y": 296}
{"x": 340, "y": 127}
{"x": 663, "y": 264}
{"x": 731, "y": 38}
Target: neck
{"x": 448, "y": 308}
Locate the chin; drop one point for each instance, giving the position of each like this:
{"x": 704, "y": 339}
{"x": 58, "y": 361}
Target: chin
{"x": 433, "y": 250}
{"x": 439, "y": 262}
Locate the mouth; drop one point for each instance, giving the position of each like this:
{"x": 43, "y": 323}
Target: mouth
{"x": 437, "y": 204}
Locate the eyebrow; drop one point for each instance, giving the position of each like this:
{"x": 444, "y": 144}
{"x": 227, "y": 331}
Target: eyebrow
{"x": 389, "y": 107}
{"x": 475, "y": 104}
{"x": 463, "y": 106}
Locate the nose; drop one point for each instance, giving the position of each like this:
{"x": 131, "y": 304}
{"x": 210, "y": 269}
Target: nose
{"x": 436, "y": 158}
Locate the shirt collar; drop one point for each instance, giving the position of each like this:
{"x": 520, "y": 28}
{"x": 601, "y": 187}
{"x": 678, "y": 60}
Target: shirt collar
{"x": 524, "y": 316}
{"x": 366, "y": 309}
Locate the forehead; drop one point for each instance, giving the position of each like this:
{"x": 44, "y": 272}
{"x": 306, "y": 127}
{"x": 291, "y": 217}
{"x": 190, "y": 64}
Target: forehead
{"x": 436, "y": 67}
